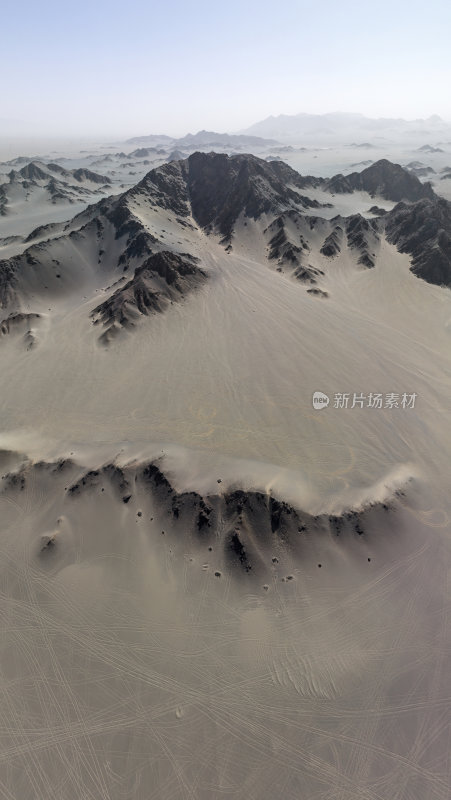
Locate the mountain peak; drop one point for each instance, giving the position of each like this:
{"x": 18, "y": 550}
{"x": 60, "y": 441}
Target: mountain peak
{"x": 221, "y": 187}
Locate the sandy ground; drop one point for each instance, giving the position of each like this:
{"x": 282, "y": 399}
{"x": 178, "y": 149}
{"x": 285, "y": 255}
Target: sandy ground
{"x": 129, "y": 669}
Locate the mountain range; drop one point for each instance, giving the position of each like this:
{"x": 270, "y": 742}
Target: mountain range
{"x": 218, "y": 194}
{"x": 205, "y": 139}
{"x": 39, "y": 182}
{"x": 343, "y": 126}
{"x": 210, "y": 585}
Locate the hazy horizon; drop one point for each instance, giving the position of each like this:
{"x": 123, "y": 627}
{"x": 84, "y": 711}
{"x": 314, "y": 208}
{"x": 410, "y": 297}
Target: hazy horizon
{"x": 114, "y": 71}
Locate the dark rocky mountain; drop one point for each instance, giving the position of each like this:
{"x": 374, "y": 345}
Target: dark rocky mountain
{"x": 423, "y": 230}
{"x": 32, "y": 172}
{"x": 126, "y": 233}
{"x": 38, "y": 172}
{"x": 216, "y": 189}
{"x": 222, "y": 187}
{"x": 288, "y": 251}
{"x": 332, "y": 243}
{"x": 225, "y": 520}
{"x": 377, "y": 211}
{"x": 144, "y": 152}
{"x": 362, "y": 235}
{"x": 60, "y": 184}
{"x": 384, "y": 179}
{"x": 83, "y": 174}
{"x": 3, "y": 201}
{"x": 165, "y": 277}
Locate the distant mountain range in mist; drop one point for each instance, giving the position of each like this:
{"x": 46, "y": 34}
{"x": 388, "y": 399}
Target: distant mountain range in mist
{"x": 204, "y": 139}
{"x": 339, "y": 127}
{"x": 295, "y": 127}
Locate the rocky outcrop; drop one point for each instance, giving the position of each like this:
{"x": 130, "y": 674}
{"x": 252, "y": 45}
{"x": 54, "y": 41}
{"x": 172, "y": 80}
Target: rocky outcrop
{"x": 163, "y": 278}
{"x": 362, "y": 236}
{"x": 332, "y": 243}
{"x": 423, "y": 230}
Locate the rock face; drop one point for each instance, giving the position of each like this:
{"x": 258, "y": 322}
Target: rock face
{"x": 211, "y": 191}
{"x": 222, "y": 187}
{"x": 87, "y": 175}
{"x": 377, "y": 211}
{"x": 424, "y": 231}
{"x": 332, "y": 242}
{"x": 36, "y": 171}
{"x": 21, "y": 323}
{"x": 164, "y": 277}
{"x": 362, "y": 236}
{"x": 8, "y": 282}
{"x": 32, "y": 172}
{"x": 385, "y": 179}
{"x": 144, "y": 152}
{"x": 216, "y": 189}
{"x": 226, "y": 520}
{"x": 14, "y": 320}
{"x": 49, "y": 182}
{"x": 3, "y": 201}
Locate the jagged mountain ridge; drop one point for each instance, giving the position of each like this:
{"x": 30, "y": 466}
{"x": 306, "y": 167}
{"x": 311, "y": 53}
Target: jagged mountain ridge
{"x": 49, "y": 183}
{"x": 225, "y": 520}
{"x": 382, "y": 178}
{"x": 164, "y": 278}
{"x": 424, "y": 231}
{"x": 205, "y": 138}
{"x": 211, "y": 192}
{"x": 38, "y": 171}
{"x": 216, "y": 189}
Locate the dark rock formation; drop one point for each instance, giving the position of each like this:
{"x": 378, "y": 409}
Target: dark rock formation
{"x": 14, "y": 320}
{"x": 377, "y": 211}
{"x": 362, "y": 235}
{"x": 385, "y": 179}
{"x": 424, "y": 231}
{"x": 221, "y": 188}
{"x": 308, "y": 274}
{"x": 83, "y": 174}
{"x": 33, "y": 172}
{"x": 332, "y": 243}
{"x": 163, "y": 278}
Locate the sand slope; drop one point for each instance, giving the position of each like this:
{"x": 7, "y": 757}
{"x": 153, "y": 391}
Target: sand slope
{"x": 209, "y": 588}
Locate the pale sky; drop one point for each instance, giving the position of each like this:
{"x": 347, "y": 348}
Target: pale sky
{"x": 121, "y": 69}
